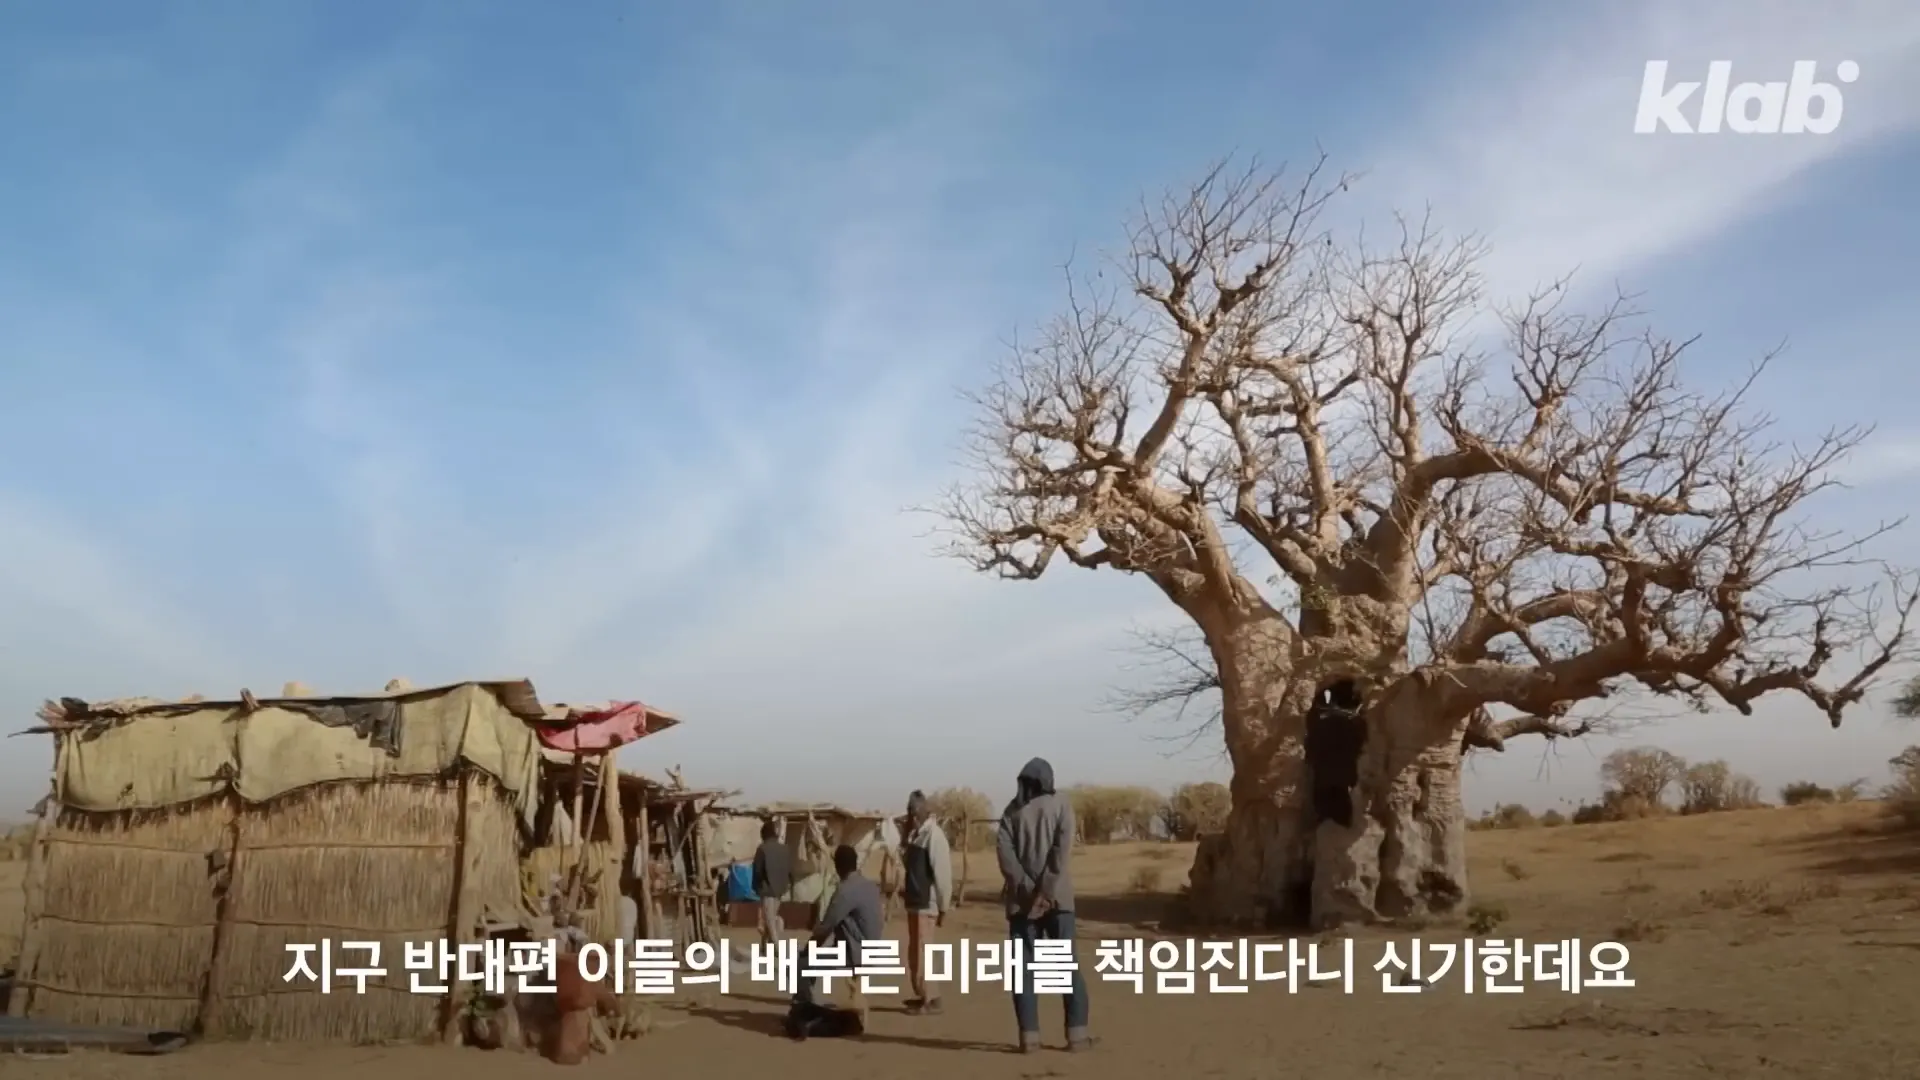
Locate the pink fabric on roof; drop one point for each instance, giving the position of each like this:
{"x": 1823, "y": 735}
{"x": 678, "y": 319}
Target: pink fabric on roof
{"x": 618, "y": 724}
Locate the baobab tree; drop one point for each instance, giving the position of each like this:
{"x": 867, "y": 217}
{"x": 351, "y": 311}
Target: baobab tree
{"x": 1317, "y": 453}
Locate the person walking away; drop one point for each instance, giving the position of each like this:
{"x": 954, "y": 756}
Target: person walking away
{"x": 927, "y": 892}
{"x": 852, "y": 917}
{"x": 1036, "y": 849}
{"x": 772, "y": 878}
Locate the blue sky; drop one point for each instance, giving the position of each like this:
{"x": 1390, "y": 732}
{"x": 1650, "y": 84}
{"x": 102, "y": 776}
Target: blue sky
{"x": 608, "y": 346}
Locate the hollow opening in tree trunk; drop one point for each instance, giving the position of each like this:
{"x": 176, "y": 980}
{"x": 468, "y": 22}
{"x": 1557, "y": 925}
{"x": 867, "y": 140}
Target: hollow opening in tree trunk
{"x": 1334, "y": 742}
{"x": 1336, "y": 736}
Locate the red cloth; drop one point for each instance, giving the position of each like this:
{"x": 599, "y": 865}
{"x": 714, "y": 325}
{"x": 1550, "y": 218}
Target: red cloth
{"x": 618, "y": 724}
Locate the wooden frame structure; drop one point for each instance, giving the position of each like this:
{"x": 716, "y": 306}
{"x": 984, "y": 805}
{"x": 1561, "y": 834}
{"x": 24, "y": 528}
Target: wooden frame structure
{"x": 648, "y": 842}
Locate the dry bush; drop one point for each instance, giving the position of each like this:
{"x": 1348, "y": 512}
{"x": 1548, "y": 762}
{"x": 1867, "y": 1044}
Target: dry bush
{"x": 1506, "y": 816}
{"x": 1484, "y": 918}
{"x": 1552, "y": 819}
{"x": 1642, "y": 772}
{"x": 1639, "y": 928}
{"x": 1851, "y": 791}
{"x": 1637, "y": 885}
{"x": 960, "y": 808}
{"x": 1902, "y": 796}
{"x": 1738, "y": 894}
{"x": 1145, "y": 880}
{"x": 1617, "y": 806}
{"x": 1803, "y": 792}
{"x": 1712, "y": 787}
{"x": 1194, "y": 809}
{"x": 1106, "y": 814}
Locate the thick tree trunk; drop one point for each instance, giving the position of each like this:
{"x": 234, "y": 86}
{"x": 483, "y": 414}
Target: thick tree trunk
{"x": 1401, "y": 854}
{"x": 1404, "y": 854}
{"x": 1258, "y": 871}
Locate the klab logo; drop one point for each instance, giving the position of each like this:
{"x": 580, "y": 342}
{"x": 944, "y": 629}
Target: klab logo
{"x": 1801, "y": 105}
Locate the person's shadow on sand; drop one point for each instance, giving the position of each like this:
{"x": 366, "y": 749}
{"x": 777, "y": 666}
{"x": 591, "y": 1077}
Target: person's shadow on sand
{"x": 770, "y": 1023}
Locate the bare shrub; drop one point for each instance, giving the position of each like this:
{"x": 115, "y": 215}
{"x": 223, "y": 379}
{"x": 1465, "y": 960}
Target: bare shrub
{"x": 1506, "y": 816}
{"x": 1637, "y": 885}
{"x": 1483, "y": 918}
{"x": 1617, "y": 806}
{"x": 1642, "y": 772}
{"x": 1639, "y": 928}
{"x": 1145, "y": 880}
{"x": 1552, "y": 819}
{"x": 1194, "y": 809}
{"x": 1851, "y": 791}
{"x": 1712, "y": 787}
{"x": 1738, "y": 894}
{"x": 1106, "y": 814}
{"x": 1902, "y": 796}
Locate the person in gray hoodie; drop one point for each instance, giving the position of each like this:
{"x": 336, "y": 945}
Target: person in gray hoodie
{"x": 1036, "y": 849}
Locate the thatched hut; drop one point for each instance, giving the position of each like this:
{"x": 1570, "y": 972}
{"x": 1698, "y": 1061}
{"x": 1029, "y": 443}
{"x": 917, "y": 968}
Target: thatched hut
{"x": 185, "y": 845}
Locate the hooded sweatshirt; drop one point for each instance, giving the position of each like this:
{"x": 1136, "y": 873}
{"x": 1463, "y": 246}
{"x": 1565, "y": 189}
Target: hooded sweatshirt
{"x": 1036, "y": 842}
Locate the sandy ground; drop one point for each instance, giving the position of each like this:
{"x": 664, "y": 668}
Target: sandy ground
{"x": 1772, "y": 943}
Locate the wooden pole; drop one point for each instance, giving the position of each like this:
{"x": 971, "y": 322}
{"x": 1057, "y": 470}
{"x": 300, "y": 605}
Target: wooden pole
{"x": 212, "y": 992}
{"x": 612, "y": 889}
{"x": 643, "y": 855}
{"x": 576, "y": 892}
{"x": 706, "y": 911}
{"x": 966, "y": 860}
{"x": 36, "y": 888}
{"x": 574, "y": 850}
{"x": 466, "y": 928}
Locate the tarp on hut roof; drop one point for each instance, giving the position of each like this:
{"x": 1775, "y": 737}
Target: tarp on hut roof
{"x": 146, "y": 755}
{"x": 517, "y": 696}
{"x": 593, "y": 729}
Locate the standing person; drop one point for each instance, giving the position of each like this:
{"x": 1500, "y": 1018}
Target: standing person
{"x": 772, "y": 877}
{"x": 927, "y": 892}
{"x": 1035, "y": 848}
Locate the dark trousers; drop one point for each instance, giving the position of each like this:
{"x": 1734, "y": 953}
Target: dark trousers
{"x": 808, "y": 990}
{"x": 1054, "y": 926}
